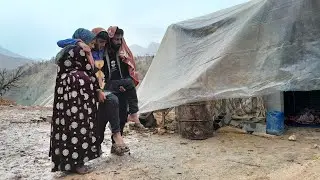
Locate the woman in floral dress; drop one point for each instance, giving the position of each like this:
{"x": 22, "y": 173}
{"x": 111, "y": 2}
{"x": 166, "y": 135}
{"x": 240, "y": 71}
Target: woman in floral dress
{"x": 73, "y": 131}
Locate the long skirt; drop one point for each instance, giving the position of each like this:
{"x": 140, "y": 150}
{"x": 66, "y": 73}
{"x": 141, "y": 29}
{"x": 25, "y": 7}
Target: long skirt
{"x": 73, "y": 130}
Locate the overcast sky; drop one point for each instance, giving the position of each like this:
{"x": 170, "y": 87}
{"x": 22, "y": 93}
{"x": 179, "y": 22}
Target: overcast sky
{"x": 32, "y": 27}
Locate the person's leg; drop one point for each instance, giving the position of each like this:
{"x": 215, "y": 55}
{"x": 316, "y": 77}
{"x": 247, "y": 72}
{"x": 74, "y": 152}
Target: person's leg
{"x": 123, "y": 111}
{"x": 112, "y": 112}
{"x": 102, "y": 118}
{"x": 118, "y": 145}
{"x": 131, "y": 95}
{"x": 132, "y": 99}
{"x": 109, "y": 112}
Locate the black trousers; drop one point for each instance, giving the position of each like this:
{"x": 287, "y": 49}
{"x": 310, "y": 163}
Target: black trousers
{"x": 132, "y": 100}
{"x": 108, "y": 111}
{"x": 115, "y": 111}
{"x": 123, "y": 111}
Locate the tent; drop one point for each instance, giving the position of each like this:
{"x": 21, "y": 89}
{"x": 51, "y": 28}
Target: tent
{"x": 253, "y": 49}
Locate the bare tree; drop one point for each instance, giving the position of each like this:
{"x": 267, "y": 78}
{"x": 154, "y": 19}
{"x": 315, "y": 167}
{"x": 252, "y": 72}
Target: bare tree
{"x": 9, "y": 79}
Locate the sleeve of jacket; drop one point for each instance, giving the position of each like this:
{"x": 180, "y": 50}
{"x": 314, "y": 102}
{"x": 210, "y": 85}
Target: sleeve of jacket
{"x": 66, "y": 42}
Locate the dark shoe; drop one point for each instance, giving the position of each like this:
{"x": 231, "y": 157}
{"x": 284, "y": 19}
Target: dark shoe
{"x": 119, "y": 149}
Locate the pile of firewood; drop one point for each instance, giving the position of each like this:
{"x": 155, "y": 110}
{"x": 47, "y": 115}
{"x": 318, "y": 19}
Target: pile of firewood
{"x": 307, "y": 116}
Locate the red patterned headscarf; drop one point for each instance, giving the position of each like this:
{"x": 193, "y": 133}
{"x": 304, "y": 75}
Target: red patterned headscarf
{"x": 125, "y": 55}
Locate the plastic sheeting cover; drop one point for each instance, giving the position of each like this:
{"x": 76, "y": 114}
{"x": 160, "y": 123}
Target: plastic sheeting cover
{"x": 252, "y": 49}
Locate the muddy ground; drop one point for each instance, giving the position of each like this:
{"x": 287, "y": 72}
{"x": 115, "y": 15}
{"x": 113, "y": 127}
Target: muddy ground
{"x": 24, "y": 144}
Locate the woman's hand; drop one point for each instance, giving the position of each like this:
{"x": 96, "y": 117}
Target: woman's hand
{"x": 101, "y": 96}
{"x": 84, "y": 46}
{"x": 90, "y": 58}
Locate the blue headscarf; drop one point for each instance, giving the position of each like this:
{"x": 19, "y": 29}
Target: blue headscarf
{"x": 85, "y": 35}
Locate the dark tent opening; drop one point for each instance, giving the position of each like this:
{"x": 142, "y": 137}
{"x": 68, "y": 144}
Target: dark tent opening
{"x": 302, "y": 108}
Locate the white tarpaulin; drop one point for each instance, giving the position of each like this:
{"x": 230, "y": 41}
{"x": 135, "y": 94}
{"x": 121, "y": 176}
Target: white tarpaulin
{"x": 255, "y": 48}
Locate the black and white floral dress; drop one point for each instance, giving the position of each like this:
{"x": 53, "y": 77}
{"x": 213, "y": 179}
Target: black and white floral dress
{"x": 73, "y": 130}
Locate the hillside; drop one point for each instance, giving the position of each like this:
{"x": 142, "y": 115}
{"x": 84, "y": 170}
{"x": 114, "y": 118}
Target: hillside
{"x": 143, "y": 63}
{"x": 37, "y": 86}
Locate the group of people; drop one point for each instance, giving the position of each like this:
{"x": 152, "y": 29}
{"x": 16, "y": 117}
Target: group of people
{"x": 83, "y": 106}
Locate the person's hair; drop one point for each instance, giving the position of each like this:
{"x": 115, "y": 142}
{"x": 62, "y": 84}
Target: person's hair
{"x": 119, "y": 31}
{"x": 103, "y": 35}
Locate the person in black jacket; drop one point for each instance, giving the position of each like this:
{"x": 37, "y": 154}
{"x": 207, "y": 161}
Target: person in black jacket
{"x": 121, "y": 77}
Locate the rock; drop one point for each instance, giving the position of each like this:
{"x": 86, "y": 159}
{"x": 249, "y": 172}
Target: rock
{"x": 10, "y": 105}
{"x": 315, "y": 146}
{"x": 171, "y": 132}
{"x": 292, "y": 138}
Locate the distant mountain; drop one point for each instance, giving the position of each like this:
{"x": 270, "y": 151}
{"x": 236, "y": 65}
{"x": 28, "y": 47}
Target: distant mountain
{"x": 137, "y": 50}
{"x": 153, "y": 47}
{"x": 141, "y": 51}
{"x": 6, "y": 52}
{"x": 10, "y": 60}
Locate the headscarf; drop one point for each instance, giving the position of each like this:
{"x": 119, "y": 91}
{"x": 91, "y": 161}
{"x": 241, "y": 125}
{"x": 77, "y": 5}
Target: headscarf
{"x": 125, "y": 55}
{"x": 85, "y": 35}
{"x": 98, "y": 30}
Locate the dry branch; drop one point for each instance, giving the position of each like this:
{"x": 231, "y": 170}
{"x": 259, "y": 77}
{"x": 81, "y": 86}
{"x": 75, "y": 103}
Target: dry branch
{"x": 10, "y": 80}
